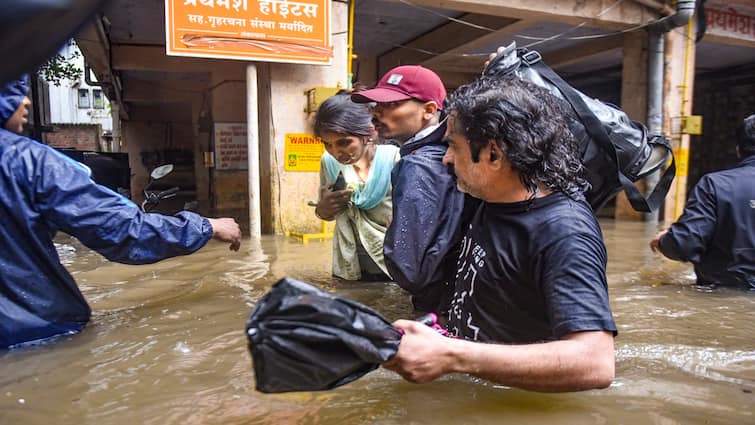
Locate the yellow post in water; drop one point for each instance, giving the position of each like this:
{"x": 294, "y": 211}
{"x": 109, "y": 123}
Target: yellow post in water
{"x": 305, "y": 237}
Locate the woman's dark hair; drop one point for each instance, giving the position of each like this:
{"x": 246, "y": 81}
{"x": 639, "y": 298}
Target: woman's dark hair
{"x": 527, "y": 123}
{"x": 339, "y": 115}
{"x": 747, "y": 137}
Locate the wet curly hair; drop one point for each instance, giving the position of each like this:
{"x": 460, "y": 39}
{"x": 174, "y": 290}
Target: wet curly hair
{"x": 528, "y": 124}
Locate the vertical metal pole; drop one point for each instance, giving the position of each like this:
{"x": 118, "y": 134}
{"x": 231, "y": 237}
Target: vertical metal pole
{"x": 656, "y": 40}
{"x": 685, "y": 9}
{"x": 655, "y": 82}
{"x": 115, "y": 116}
{"x": 350, "y": 50}
{"x": 686, "y": 109}
{"x": 252, "y": 129}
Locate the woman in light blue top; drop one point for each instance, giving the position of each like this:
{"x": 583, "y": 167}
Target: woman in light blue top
{"x": 363, "y": 209}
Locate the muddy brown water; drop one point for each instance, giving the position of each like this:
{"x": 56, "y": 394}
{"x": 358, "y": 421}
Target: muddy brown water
{"x": 166, "y": 346}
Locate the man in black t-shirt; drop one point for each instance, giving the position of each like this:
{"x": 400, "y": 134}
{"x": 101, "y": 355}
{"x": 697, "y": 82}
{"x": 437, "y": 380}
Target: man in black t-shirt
{"x": 531, "y": 277}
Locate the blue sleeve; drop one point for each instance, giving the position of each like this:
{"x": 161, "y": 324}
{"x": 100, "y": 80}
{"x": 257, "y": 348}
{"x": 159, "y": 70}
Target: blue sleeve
{"x": 689, "y": 237}
{"x": 573, "y": 281}
{"x": 427, "y": 215}
{"x": 107, "y": 222}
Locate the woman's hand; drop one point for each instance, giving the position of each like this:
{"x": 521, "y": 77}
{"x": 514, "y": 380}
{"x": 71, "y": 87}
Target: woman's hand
{"x": 332, "y": 203}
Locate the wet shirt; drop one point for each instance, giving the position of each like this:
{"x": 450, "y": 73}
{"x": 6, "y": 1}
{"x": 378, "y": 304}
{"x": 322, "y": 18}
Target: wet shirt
{"x": 42, "y": 192}
{"x": 716, "y": 232}
{"x": 421, "y": 244}
{"x": 530, "y": 272}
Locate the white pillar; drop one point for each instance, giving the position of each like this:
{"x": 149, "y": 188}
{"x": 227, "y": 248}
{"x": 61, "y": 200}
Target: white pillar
{"x": 253, "y": 140}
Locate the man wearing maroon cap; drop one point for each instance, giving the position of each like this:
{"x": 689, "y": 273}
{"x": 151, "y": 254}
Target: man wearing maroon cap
{"x": 422, "y": 243}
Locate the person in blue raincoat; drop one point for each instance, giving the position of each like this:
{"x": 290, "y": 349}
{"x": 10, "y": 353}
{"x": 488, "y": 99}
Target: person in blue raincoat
{"x": 42, "y": 192}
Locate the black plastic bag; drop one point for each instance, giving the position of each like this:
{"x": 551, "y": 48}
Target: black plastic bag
{"x": 304, "y": 339}
{"x": 616, "y": 151}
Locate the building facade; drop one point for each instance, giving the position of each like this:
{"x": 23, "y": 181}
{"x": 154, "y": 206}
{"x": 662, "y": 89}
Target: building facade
{"x": 77, "y": 102}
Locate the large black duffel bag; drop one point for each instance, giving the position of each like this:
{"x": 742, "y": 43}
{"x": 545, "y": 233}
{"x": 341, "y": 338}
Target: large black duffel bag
{"x": 616, "y": 151}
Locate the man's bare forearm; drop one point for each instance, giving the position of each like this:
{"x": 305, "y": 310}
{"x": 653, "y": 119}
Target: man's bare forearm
{"x": 578, "y": 361}
{"x": 581, "y": 361}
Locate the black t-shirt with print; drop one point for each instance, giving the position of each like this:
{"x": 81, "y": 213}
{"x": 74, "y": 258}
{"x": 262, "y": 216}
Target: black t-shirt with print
{"x": 531, "y": 271}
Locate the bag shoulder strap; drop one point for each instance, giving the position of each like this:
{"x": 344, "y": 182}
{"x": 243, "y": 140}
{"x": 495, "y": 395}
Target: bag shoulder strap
{"x": 597, "y": 132}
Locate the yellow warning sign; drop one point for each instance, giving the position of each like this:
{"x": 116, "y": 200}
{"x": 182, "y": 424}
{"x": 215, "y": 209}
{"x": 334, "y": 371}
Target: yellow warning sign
{"x": 302, "y": 152}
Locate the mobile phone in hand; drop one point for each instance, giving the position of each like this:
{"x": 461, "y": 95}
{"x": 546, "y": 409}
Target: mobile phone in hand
{"x": 340, "y": 183}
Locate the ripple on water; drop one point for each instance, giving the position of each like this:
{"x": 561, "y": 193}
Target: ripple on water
{"x": 730, "y": 366}
{"x": 166, "y": 346}
{"x": 246, "y": 276}
{"x": 66, "y": 252}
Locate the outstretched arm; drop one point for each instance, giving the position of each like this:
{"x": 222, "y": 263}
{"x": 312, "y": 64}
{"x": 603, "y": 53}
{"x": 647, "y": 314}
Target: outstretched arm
{"x": 112, "y": 225}
{"x": 578, "y": 361}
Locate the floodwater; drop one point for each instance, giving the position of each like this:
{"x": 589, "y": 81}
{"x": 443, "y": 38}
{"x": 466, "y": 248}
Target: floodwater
{"x": 166, "y": 345}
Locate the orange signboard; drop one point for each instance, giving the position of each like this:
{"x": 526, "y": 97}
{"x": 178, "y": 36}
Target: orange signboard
{"x": 296, "y": 31}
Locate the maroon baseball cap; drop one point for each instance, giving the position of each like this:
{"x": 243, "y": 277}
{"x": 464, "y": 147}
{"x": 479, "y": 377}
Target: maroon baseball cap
{"x": 405, "y": 82}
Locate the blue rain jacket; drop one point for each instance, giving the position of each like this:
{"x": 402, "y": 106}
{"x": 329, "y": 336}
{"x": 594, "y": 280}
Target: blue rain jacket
{"x": 422, "y": 243}
{"x": 43, "y": 191}
{"x": 716, "y": 232}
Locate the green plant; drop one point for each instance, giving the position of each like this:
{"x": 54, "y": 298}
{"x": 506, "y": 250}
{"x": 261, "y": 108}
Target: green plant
{"x": 59, "y": 68}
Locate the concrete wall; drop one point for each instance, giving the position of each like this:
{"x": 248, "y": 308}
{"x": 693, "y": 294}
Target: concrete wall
{"x": 634, "y": 102}
{"x": 153, "y": 143}
{"x": 365, "y": 70}
{"x": 137, "y": 137}
{"x": 287, "y": 85}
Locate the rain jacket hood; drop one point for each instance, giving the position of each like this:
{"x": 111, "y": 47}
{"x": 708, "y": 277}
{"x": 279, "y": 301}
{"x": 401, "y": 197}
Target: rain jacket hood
{"x": 11, "y": 96}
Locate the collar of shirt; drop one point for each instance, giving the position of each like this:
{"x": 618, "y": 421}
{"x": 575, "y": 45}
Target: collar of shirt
{"x": 423, "y": 133}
